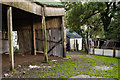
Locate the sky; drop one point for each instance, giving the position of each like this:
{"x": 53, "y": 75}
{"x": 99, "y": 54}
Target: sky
{"x": 57, "y": 0}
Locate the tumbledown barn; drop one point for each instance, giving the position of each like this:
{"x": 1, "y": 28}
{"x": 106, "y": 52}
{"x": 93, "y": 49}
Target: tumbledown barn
{"x": 40, "y": 28}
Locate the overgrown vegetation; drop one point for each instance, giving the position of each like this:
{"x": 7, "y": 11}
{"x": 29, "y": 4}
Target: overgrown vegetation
{"x": 101, "y": 19}
{"x": 81, "y": 64}
{"x": 107, "y": 61}
{"x": 71, "y": 66}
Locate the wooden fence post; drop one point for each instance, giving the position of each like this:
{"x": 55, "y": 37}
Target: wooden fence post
{"x": 114, "y": 52}
{"x": 93, "y": 49}
{"x": 10, "y": 37}
{"x": 63, "y": 36}
{"x": 34, "y": 40}
{"x": 44, "y": 34}
{"x": 103, "y": 52}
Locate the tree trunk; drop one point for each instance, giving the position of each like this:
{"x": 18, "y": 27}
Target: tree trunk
{"x": 87, "y": 44}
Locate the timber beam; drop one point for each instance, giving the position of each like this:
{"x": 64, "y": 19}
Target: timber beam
{"x": 64, "y": 36}
{"x": 34, "y": 39}
{"x": 44, "y": 34}
{"x": 10, "y": 37}
{"x": 24, "y": 5}
{"x": 34, "y": 8}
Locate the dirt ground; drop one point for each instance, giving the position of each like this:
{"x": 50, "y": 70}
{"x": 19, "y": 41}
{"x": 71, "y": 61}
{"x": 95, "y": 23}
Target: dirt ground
{"x": 78, "y": 66}
{"x": 22, "y": 59}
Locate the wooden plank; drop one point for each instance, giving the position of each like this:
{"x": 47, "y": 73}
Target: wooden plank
{"x": 10, "y": 37}
{"x": 34, "y": 40}
{"x": 25, "y": 40}
{"x": 40, "y": 52}
{"x": 54, "y": 46}
{"x": 44, "y": 34}
{"x": 54, "y": 11}
{"x": 24, "y": 5}
{"x": 49, "y": 41}
{"x": 64, "y": 36}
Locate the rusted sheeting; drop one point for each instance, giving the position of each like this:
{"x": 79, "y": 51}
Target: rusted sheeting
{"x": 25, "y": 39}
{"x": 53, "y": 35}
{"x": 56, "y": 36}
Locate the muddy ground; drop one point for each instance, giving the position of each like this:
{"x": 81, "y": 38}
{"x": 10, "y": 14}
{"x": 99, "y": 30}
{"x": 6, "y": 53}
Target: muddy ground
{"x": 23, "y": 59}
{"x": 23, "y": 63}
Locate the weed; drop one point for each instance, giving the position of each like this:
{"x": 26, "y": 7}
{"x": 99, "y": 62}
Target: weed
{"x": 14, "y": 71}
{"x": 27, "y": 73}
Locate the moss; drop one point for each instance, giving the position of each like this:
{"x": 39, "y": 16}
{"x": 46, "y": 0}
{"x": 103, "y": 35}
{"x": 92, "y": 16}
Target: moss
{"x": 49, "y": 3}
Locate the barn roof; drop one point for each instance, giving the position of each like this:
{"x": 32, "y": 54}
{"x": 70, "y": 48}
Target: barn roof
{"x": 53, "y": 8}
{"x": 72, "y": 35}
{"x": 50, "y": 3}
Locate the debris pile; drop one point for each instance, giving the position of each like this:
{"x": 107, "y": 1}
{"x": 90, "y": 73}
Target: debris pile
{"x": 103, "y": 68}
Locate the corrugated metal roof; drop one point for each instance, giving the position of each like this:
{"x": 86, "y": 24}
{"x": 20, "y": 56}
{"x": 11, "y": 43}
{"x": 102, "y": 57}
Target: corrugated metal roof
{"x": 72, "y": 35}
{"x": 49, "y": 2}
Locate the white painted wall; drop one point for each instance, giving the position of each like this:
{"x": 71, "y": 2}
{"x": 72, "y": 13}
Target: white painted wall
{"x": 15, "y": 38}
{"x": 73, "y": 42}
{"x": 107, "y": 52}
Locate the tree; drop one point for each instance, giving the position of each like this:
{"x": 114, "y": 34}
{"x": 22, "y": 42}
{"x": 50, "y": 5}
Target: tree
{"x": 114, "y": 27}
{"x": 81, "y": 14}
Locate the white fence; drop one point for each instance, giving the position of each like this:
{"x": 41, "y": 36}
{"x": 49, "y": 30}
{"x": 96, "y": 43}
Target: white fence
{"x": 104, "y": 52}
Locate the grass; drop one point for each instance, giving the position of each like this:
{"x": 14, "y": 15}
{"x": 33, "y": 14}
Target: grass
{"x": 107, "y": 61}
{"x": 14, "y": 71}
{"x": 77, "y": 65}
{"x": 64, "y": 69}
{"x": 27, "y": 73}
{"x": 67, "y": 69}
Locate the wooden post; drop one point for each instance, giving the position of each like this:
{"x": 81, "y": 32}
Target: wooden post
{"x": 64, "y": 36}
{"x": 77, "y": 45}
{"x": 87, "y": 44}
{"x": 10, "y": 37}
{"x": 44, "y": 34}
{"x": 74, "y": 45}
{"x": 34, "y": 40}
{"x": 114, "y": 52}
{"x": 93, "y": 49}
{"x": 103, "y": 52}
